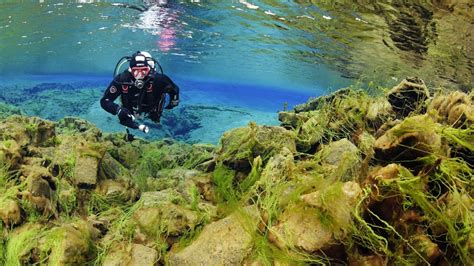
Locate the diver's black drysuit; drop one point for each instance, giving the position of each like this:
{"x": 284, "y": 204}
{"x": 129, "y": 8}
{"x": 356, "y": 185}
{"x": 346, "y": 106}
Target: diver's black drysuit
{"x": 149, "y": 99}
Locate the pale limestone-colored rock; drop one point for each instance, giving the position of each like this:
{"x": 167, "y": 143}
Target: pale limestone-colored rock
{"x": 454, "y": 109}
{"x": 279, "y": 167}
{"x": 85, "y": 171}
{"x": 225, "y": 242}
{"x": 301, "y": 227}
{"x": 168, "y": 218}
{"x": 342, "y": 157}
{"x": 143, "y": 256}
{"x": 238, "y": 147}
{"x": 129, "y": 254}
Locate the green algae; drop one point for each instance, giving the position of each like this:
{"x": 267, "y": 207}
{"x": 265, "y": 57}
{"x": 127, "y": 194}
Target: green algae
{"x": 20, "y": 245}
{"x": 121, "y": 229}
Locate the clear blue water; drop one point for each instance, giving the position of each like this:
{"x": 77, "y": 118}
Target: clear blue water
{"x": 253, "y": 55}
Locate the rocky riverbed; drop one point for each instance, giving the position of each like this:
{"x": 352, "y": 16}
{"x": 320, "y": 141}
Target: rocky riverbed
{"x": 349, "y": 178}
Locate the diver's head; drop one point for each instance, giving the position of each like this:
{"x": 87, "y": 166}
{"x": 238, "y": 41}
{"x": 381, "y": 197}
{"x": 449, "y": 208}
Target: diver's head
{"x": 139, "y": 66}
{"x": 149, "y": 59}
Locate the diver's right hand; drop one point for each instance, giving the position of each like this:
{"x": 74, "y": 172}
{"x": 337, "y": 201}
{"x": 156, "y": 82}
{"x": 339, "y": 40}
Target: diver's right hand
{"x": 126, "y": 118}
{"x": 124, "y": 114}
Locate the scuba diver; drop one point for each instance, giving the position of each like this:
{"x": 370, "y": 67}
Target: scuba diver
{"x": 142, "y": 89}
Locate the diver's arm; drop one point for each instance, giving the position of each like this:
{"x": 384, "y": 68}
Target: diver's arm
{"x": 107, "y": 101}
{"x": 173, "y": 91}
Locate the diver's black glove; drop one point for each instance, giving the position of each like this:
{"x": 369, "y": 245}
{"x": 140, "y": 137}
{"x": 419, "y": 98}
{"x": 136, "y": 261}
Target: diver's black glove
{"x": 126, "y": 118}
{"x": 172, "y": 104}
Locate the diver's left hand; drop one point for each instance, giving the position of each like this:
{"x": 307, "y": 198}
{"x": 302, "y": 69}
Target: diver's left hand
{"x": 172, "y": 104}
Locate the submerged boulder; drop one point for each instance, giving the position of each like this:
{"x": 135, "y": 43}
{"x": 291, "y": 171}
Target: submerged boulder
{"x": 342, "y": 157}
{"x": 413, "y": 138}
{"x": 240, "y": 146}
{"x": 455, "y": 109}
{"x": 86, "y": 171}
{"x": 408, "y": 96}
{"x": 69, "y": 244}
{"x": 224, "y": 242}
{"x": 319, "y": 221}
{"x": 10, "y": 154}
{"x": 27, "y": 130}
{"x": 10, "y": 212}
{"x": 127, "y": 254}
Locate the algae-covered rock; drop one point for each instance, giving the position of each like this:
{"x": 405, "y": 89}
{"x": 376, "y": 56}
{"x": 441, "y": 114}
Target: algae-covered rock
{"x": 10, "y": 212}
{"x": 163, "y": 213}
{"x": 408, "y": 96}
{"x": 128, "y": 155}
{"x": 425, "y": 247}
{"x": 10, "y": 153}
{"x": 27, "y": 130}
{"x": 68, "y": 244}
{"x": 301, "y": 228}
{"x": 455, "y": 109}
{"x": 413, "y": 138}
{"x": 123, "y": 191}
{"x": 240, "y": 146}
{"x": 224, "y": 242}
{"x": 109, "y": 168}
{"x": 86, "y": 171}
{"x": 167, "y": 154}
{"x": 78, "y": 126}
{"x": 342, "y": 157}
{"x": 319, "y": 221}
{"x": 292, "y": 120}
{"x": 279, "y": 167}
{"x": 126, "y": 254}
{"x": 312, "y": 131}
{"x": 21, "y": 244}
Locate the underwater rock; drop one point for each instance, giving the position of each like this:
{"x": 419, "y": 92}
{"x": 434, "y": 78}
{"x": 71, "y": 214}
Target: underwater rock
{"x": 27, "y": 130}
{"x": 224, "y": 242}
{"x": 408, "y": 96}
{"x": 413, "y": 138}
{"x": 69, "y": 244}
{"x": 163, "y": 212}
{"x": 85, "y": 172}
{"x": 109, "y": 168}
{"x": 122, "y": 190}
{"x": 316, "y": 103}
{"x": 128, "y": 155}
{"x": 378, "y": 112}
{"x": 78, "y": 126}
{"x": 21, "y": 245}
{"x": 311, "y": 132}
{"x": 342, "y": 157}
{"x": 291, "y": 120}
{"x": 238, "y": 147}
{"x": 10, "y": 212}
{"x": 302, "y": 226}
{"x": 10, "y": 154}
{"x": 455, "y": 109}
{"x": 167, "y": 218}
{"x": 279, "y": 167}
{"x": 165, "y": 154}
{"x": 40, "y": 189}
{"x": 425, "y": 247}
{"x": 130, "y": 254}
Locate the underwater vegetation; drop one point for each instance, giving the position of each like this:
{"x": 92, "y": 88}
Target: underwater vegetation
{"x": 360, "y": 177}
